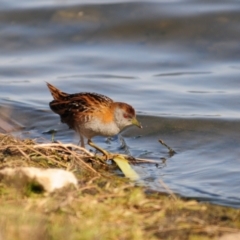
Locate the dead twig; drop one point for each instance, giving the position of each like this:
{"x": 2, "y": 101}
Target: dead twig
{"x": 170, "y": 150}
{"x": 47, "y": 145}
{"x": 168, "y": 190}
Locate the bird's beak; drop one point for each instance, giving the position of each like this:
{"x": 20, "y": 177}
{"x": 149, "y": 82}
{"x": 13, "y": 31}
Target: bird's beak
{"x": 135, "y": 122}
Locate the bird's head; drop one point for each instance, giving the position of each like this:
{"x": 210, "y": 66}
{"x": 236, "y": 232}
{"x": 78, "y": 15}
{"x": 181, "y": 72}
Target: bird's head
{"x": 125, "y": 116}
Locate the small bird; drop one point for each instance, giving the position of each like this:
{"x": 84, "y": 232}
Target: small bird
{"x": 92, "y": 114}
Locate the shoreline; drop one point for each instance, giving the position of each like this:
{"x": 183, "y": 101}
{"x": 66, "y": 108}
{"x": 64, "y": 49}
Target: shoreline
{"x": 103, "y": 206}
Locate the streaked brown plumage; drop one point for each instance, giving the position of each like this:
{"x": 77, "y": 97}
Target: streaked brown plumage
{"x": 92, "y": 114}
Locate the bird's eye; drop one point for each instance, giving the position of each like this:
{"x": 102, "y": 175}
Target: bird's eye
{"x": 126, "y": 115}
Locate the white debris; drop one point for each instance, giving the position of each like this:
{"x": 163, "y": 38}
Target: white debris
{"x": 49, "y": 179}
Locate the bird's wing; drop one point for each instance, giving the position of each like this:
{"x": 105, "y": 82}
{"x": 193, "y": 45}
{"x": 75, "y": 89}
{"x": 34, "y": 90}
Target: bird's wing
{"x": 79, "y": 105}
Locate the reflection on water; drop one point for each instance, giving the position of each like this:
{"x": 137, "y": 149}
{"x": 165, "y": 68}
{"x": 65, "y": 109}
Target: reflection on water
{"x": 176, "y": 62}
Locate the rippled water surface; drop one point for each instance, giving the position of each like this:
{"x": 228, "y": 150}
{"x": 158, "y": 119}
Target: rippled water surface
{"x": 176, "y": 62}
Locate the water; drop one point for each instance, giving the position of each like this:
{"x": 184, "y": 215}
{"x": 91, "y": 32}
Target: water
{"x": 176, "y": 62}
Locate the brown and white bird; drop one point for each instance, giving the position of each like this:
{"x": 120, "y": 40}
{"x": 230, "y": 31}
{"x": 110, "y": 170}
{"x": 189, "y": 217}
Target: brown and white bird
{"x": 92, "y": 114}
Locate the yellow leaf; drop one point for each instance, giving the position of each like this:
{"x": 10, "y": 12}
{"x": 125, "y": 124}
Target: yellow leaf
{"x": 125, "y": 167}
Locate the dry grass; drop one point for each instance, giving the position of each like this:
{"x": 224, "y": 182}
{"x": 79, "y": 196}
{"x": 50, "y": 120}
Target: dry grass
{"x": 15, "y": 152}
{"x": 103, "y": 207}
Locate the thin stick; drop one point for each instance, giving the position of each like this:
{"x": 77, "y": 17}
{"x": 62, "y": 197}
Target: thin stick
{"x": 168, "y": 190}
{"x": 46, "y": 145}
{"x": 23, "y": 153}
{"x": 65, "y": 147}
{"x": 75, "y": 155}
{"x": 31, "y": 148}
{"x": 171, "y": 151}
{"x": 143, "y": 160}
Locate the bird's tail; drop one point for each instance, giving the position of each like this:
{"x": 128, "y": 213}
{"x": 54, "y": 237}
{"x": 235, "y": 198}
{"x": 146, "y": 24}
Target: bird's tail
{"x": 56, "y": 93}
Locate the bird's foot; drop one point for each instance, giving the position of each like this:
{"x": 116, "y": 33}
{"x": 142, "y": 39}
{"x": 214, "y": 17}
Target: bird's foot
{"x": 106, "y": 154}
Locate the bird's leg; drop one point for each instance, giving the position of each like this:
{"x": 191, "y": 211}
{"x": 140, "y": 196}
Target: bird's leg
{"x": 105, "y": 153}
{"x": 82, "y": 141}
